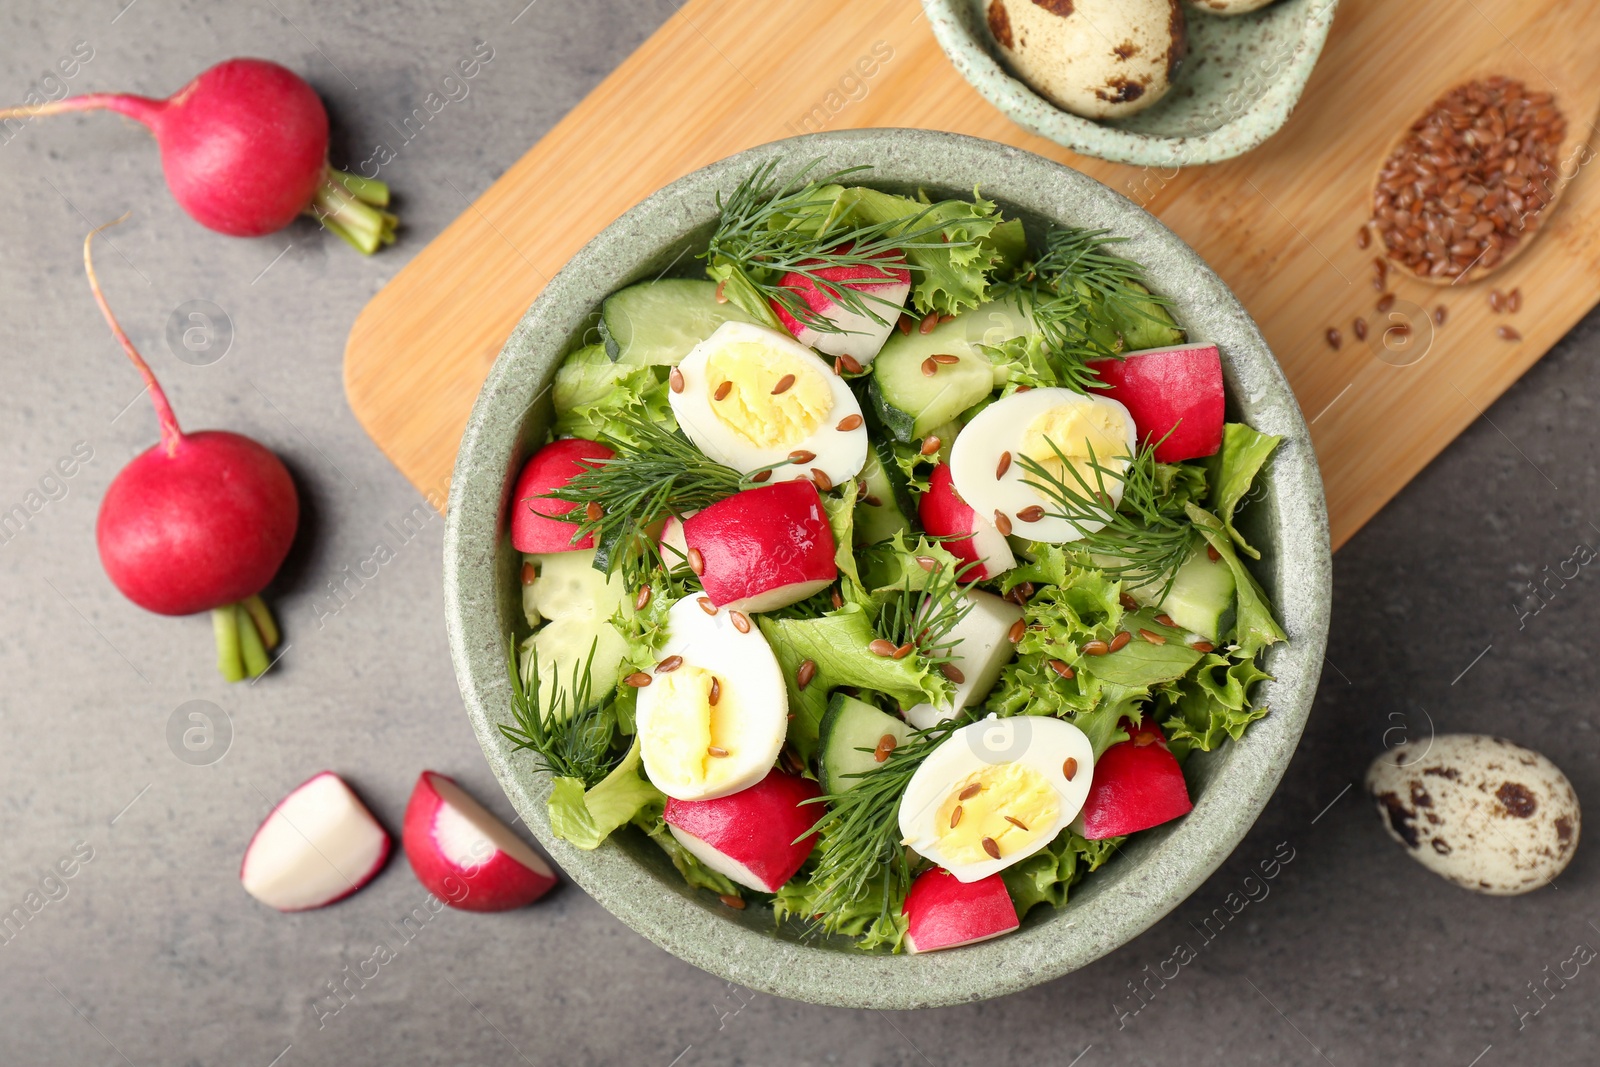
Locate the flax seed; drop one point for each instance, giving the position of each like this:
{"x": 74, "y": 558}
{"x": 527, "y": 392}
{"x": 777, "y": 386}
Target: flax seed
{"x": 731, "y": 901}
{"x": 1508, "y": 333}
{"x": 760, "y": 476}
{"x": 955, "y": 817}
{"x": 1096, "y": 648}
{"x": 668, "y": 665}
{"x": 991, "y": 848}
{"x": 1385, "y": 303}
{"x": 641, "y": 598}
{"x": 904, "y": 324}
{"x": 1335, "y": 338}
{"x": 1032, "y": 513}
{"x": 886, "y": 745}
{"x": 930, "y": 445}
{"x": 927, "y": 563}
{"x": 930, "y": 367}
{"x": 872, "y": 501}
{"x": 1212, "y": 554}
{"x": 801, "y": 455}
{"x": 1003, "y": 466}
{"x": 1165, "y": 620}
{"x": 1359, "y": 327}
{"x": 717, "y": 752}
{"x": 1203, "y": 646}
{"x": 904, "y": 650}
{"x": 1018, "y": 628}
{"x": 1002, "y": 524}
{"x": 783, "y": 385}
{"x": 741, "y": 621}
{"x": 1497, "y": 301}
{"x": 929, "y": 321}
{"x": 722, "y": 296}
{"x": 850, "y": 364}
{"x": 1363, "y": 237}
{"x": 697, "y": 562}
{"x": 716, "y": 692}
{"x": 529, "y": 575}
{"x": 820, "y": 477}
{"x": 1153, "y": 638}
{"x": 946, "y": 358}
{"x": 675, "y": 380}
{"x": 1069, "y": 768}
{"x": 952, "y": 672}
{"x": 836, "y": 600}
{"x": 706, "y": 605}
{"x": 970, "y": 791}
{"x": 593, "y": 512}
{"x": 880, "y": 647}
{"x": 1514, "y": 301}
{"x": 1018, "y": 823}
{"x": 1062, "y": 669}
{"x": 848, "y": 423}
{"x": 1127, "y": 602}
{"x": 722, "y": 391}
{"x": 807, "y": 671}
{"x": 638, "y": 679}
{"x": 1120, "y": 642}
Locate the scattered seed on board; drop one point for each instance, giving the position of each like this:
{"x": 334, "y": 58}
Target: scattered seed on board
{"x": 741, "y": 621}
{"x": 930, "y": 367}
{"x": 952, "y": 672}
{"x": 593, "y": 511}
{"x": 1032, "y": 513}
{"x": 886, "y": 745}
{"x": 1335, "y": 338}
{"x": 641, "y": 598}
{"x": 717, "y": 752}
{"x": 1385, "y": 302}
{"x": 731, "y": 901}
{"x": 881, "y": 647}
{"x": 716, "y": 692}
{"x": 955, "y": 817}
{"x": 638, "y": 679}
{"x": 1514, "y": 301}
{"x": 697, "y": 562}
{"x": 1002, "y": 523}
{"x": 1440, "y": 314}
{"x": 675, "y": 380}
{"x": 668, "y": 665}
{"x": 1119, "y": 642}
{"x": 722, "y": 391}
{"x": 1363, "y": 237}
{"x": 1359, "y": 328}
{"x": 970, "y": 791}
{"x": 1003, "y": 466}
{"x": 1018, "y": 823}
{"x": 848, "y": 423}
{"x": 1497, "y": 301}
{"x": 991, "y": 848}
{"x": 807, "y": 671}
{"x": 1153, "y": 638}
{"x": 706, "y": 605}
{"x": 1507, "y": 333}
{"x": 1062, "y": 669}
{"x": 1096, "y": 648}
{"x": 801, "y": 455}
{"x": 1018, "y": 628}
{"x": 1069, "y": 768}
{"x": 783, "y": 385}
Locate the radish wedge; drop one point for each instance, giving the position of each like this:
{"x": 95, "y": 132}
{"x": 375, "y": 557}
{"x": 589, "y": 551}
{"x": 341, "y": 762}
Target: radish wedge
{"x": 1174, "y": 395}
{"x": 883, "y": 289}
{"x": 943, "y": 912}
{"x": 464, "y": 855}
{"x": 536, "y": 523}
{"x": 764, "y": 548}
{"x": 757, "y": 836}
{"x": 1137, "y": 784}
{"x": 971, "y": 538}
{"x": 319, "y": 845}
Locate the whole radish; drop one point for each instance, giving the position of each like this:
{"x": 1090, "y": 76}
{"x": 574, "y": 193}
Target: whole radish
{"x": 200, "y": 521}
{"x": 244, "y": 147}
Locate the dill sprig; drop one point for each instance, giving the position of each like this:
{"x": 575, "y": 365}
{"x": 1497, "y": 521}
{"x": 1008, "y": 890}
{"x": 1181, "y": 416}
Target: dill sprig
{"x": 654, "y": 473}
{"x": 572, "y": 736}
{"x": 1149, "y": 539}
{"x": 859, "y": 836}
{"x": 1077, "y": 279}
{"x": 924, "y": 618}
{"x": 769, "y": 228}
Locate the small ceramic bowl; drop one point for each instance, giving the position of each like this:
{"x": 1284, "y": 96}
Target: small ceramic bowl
{"x": 1243, "y": 77}
{"x": 628, "y": 874}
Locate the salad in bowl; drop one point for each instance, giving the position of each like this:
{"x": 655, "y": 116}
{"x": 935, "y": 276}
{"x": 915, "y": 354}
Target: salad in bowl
{"x": 847, "y": 565}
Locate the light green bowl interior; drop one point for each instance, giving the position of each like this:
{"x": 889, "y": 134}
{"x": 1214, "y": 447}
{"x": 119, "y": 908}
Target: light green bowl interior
{"x": 628, "y": 874}
{"x": 1243, "y": 77}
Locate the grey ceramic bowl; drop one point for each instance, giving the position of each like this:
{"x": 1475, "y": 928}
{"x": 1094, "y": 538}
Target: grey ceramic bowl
{"x": 1242, "y": 79}
{"x": 628, "y": 874}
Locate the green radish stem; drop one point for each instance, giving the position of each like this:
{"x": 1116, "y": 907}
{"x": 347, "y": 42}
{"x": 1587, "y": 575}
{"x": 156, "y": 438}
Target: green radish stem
{"x": 352, "y": 207}
{"x": 250, "y": 646}
{"x": 244, "y": 632}
{"x": 225, "y": 625}
{"x": 266, "y": 626}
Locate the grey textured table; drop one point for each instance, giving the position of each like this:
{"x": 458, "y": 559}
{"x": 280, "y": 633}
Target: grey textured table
{"x": 152, "y": 953}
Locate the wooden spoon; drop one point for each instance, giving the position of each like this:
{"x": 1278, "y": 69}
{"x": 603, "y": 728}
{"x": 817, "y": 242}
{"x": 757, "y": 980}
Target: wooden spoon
{"x": 1552, "y": 52}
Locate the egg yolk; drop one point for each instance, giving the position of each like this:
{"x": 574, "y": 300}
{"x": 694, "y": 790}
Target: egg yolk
{"x": 747, "y": 377}
{"x": 1074, "y": 429}
{"x": 681, "y": 731}
{"x": 1006, "y": 804}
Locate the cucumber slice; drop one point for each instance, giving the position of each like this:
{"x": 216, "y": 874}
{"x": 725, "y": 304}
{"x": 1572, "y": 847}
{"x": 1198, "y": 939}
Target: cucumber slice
{"x": 568, "y": 585}
{"x": 878, "y": 514}
{"x": 657, "y": 323}
{"x": 899, "y": 484}
{"x": 1201, "y": 599}
{"x": 849, "y": 726}
{"x": 910, "y": 403}
{"x": 579, "y": 602}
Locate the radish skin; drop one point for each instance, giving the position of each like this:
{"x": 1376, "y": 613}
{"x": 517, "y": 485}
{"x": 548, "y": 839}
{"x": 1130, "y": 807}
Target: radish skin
{"x": 244, "y": 148}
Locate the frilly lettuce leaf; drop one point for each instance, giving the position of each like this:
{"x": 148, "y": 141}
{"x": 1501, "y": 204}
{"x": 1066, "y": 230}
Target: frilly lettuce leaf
{"x": 591, "y": 392}
{"x": 587, "y": 818}
{"x": 1254, "y": 625}
{"x": 1047, "y": 876}
{"x": 841, "y": 510}
{"x": 1209, "y": 704}
{"x": 1233, "y": 471}
{"x": 872, "y": 921}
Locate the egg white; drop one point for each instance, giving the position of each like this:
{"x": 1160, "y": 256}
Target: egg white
{"x": 753, "y": 701}
{"x": 1001, "y": 427}
{"x": 1038, "y": 742}
{"x": 840, "y": 454}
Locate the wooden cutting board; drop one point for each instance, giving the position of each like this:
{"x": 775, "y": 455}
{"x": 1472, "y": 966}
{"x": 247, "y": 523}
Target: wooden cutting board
{"x": 1278, "y": 224}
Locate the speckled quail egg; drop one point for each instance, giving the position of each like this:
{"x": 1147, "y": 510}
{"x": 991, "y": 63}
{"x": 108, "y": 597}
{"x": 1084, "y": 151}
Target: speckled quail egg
{"x": 1228, "y": 7}
{"x": 1096, "y": 58}
{"x": 1480, "y": 811}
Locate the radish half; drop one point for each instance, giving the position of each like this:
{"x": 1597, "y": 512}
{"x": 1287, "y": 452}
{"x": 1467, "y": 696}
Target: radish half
{"x": 319, "y": 845}
{"x": 757, "y": 836}
{"x": 464, "y": 855}
{"x": 969, "y": 537}
{"x": 536, "y": 523}
{"x": 1174, "y": 395}
{"x": 244, "y": 147}
{"x": 1137, "y": 784}
{"x": 943, "y": 912}
{"x": 765, "y": 548}
{"x": 883, "y": 288}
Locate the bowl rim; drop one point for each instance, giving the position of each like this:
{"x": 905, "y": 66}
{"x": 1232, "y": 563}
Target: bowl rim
{"x": 1018, "y": 102}
{"x": 1166, "y": 870}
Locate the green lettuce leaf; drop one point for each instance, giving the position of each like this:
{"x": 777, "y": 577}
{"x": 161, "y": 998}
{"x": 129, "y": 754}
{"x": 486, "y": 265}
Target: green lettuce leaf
{"x": 591, "y": 395}
{"x": 1178, "y": 484}
{"x": 837, "y": 644}
{"x": 948, "y": 279}
{"x": 1209, "y": 704}
{"x": 695, "y": 873}
{"x": 841, "y": 511}
{"x": 1254, "y": 625}
{"x": 587, "y": 818}
{"x": 872, "y": 921}
{"x": 1233, "y": 471}
{"x": 1046, "y": 876}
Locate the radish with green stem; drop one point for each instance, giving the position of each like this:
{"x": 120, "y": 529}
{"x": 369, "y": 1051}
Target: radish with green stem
{"x": 245, "y": 150}
{"x": 200, "y": 521}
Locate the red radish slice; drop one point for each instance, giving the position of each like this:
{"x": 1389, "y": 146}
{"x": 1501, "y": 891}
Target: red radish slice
{"x": 1137, "y": 784}
{"x": 972, "y": 538}
{"x": 319, "y": 845}
{"x": 536, "y": 525}
{"x": 1174, "y": 393}
{"x": 883, "y": 289}
{"x": 245, "y": 150}
{"x": 465, "y": 856}
{"x": 764, "y": 548}
{"x": 757, "y": 836}
{"x": 943, "y": 912}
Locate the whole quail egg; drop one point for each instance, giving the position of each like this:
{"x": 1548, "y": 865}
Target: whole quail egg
{"x": 1480, "y": 811}
{"x": 1096, "y": 58}
{"x": 1228, "y": 7}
